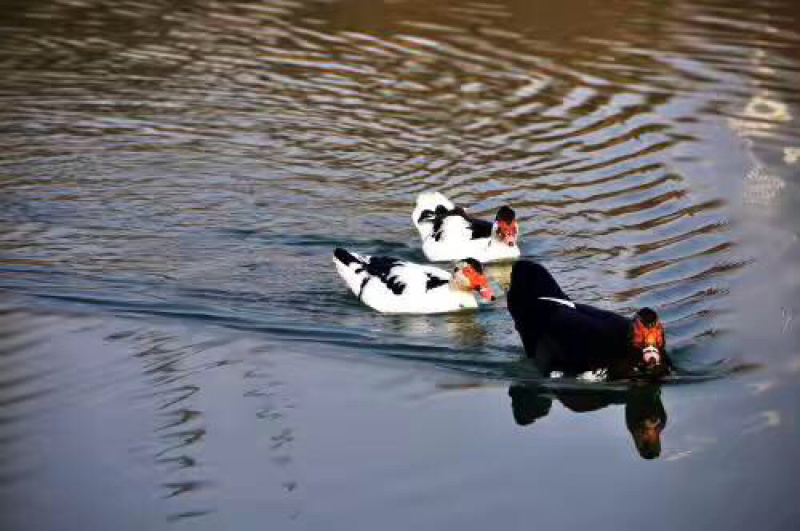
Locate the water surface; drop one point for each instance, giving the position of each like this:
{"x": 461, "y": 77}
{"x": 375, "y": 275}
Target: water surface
{"x": 176, "y": 342}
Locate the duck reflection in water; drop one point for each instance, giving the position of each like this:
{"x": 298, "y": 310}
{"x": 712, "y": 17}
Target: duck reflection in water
{"x": 645, "y": 415}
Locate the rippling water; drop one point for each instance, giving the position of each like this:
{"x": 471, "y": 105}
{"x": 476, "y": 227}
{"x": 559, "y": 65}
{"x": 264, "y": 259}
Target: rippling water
{"x": 190, "y": 166}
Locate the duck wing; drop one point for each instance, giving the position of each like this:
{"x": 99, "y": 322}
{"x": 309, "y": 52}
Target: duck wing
{"x": 479, "y": 228}
{"x": 424, "y": 214}
{"x": 384, "y": 282}
{"x": 358, "y": 270}
{"x": 586, "y": 331}
{"x": 437, "y": 217}
{"x": 455, "y": 225}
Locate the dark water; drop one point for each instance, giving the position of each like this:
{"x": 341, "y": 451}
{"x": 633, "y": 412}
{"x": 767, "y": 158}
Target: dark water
{"x": 177, "y": 350}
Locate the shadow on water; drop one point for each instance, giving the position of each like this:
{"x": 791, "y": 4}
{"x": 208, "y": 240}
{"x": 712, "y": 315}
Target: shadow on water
{"x": 645, "y": 416}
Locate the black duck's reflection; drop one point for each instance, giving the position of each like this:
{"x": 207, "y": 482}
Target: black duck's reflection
{"x": 645, "y": 415}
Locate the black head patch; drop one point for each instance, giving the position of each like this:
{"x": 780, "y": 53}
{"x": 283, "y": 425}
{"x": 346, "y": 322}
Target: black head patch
{"x": 475, "y": 264}
{"x": 647, "y": 316}
{"x": 506, "y": 214}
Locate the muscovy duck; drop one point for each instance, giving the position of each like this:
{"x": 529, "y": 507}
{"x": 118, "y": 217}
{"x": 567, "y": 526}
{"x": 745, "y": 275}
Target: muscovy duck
{"x": 449, "y": 233}
{"x": 569, "y": 338}
{"x": 391, "y": 285}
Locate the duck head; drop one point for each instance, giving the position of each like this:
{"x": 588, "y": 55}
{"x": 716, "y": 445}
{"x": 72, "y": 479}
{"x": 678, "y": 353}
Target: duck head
{"x": 646, "y": 418}
{"x": 468, "y": 275}
{"x": 506, "y": 228}
{"x": 648, "y": 342}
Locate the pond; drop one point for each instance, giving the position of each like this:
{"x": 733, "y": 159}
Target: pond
{"x": 177, "y": 349}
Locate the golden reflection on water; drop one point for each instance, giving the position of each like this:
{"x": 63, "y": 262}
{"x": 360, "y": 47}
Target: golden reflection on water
{"x": 199, "y": 160}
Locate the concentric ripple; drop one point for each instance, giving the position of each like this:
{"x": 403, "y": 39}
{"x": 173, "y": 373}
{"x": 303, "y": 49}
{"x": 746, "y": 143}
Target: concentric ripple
{"x": 200, "y": 160}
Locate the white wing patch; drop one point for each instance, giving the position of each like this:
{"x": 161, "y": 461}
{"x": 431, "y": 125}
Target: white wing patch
{"x": 565, "y": 302}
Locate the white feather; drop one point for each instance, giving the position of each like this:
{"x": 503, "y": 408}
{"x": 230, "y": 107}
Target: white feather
{"x": 455, "y": 241}
{"x": 415, "y": 297}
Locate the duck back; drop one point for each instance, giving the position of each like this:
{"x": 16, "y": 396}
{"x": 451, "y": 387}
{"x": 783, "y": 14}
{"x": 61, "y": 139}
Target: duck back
{"x": 583, "y": 338}
{"x": 560, "y": 334}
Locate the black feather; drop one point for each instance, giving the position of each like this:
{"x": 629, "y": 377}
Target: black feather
{"x": 363, "y": 285}
{"x": 479, "y": 228}
{"x": 434, "y": 282}
{"x": 344, "y": 257}
{"x": 381, "y": 267}
{"x": 426, "y": 215}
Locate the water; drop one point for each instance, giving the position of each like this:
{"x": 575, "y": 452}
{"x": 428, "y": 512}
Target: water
{"x": 177, "y": 349}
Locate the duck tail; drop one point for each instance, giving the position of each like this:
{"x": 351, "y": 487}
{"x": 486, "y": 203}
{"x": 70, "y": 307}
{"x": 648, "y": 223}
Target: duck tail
{"x": 531, "y": 282}
{"x": 425, "y": 211}
{"x": 351, "y": 267}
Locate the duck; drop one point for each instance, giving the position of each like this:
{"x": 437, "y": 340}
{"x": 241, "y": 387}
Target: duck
{"x": 392, "y": 285}
{"x": 449, "y": 233}
{"x": 568, "y": 339}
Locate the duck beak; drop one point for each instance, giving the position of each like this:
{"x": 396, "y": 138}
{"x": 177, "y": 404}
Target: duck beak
{"x": 650, "y": 339}
{"x": 486, "y": 294}
{"x": 651, "y": 356}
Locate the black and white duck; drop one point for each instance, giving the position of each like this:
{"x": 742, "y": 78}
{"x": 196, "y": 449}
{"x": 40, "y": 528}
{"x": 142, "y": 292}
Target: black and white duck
{"x": 391, "y": 285}
{"x": 449, "y": 233}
